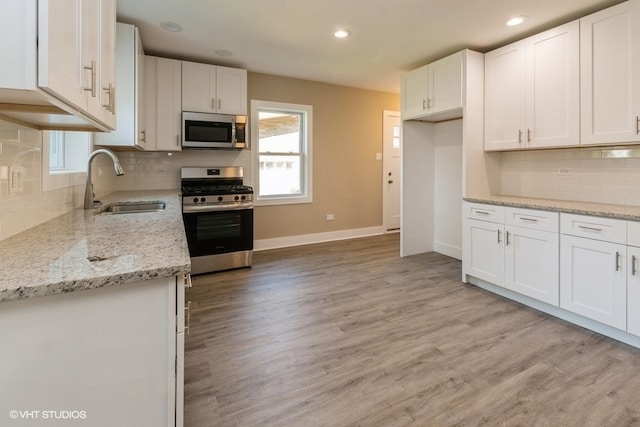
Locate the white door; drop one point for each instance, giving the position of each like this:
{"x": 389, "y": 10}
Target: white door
{"x": 593, "y": 280}
{"x": 391, "y": 169}
{"x": 531, "y": 263}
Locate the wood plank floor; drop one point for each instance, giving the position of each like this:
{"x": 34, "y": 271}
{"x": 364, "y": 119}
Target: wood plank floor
{"x": 350, "y": 334}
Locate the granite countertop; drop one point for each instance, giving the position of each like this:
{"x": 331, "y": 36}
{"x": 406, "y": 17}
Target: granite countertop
{"x": 82, "y": 249}
{"x": 631, "y": 213}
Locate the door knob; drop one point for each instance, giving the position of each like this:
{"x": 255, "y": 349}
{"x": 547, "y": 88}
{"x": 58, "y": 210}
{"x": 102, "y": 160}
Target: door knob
{"x": 390, "y": 181}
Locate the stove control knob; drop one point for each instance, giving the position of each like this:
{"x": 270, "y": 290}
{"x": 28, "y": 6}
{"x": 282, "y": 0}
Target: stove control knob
{"x": 243, "y": 197}
{"x": 236, "y": 198}
{"x": 220, "y": 198}
{"x": 202, "y": 199}
{"x": 195, "y": 200}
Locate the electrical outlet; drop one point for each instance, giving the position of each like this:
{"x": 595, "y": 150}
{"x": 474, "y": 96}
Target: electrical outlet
{"x": 16, "y": 179}
{"x": 331, "y": 217}
{"x": 378, "y": 156}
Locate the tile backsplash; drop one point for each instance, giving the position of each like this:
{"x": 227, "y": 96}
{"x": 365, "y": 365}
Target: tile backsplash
{"x": 26, "y": 205}
{"x": 571, "y": 174}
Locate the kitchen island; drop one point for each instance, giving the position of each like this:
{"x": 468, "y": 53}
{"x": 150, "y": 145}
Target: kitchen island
{"x": 92, "y": 317}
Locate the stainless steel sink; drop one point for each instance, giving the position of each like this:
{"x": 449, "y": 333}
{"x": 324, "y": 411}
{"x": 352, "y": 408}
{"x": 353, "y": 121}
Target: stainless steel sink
{"x": 134, "y": 207}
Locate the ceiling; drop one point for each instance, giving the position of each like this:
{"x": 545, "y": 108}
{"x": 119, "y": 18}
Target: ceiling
{"x": 294, "y": 38}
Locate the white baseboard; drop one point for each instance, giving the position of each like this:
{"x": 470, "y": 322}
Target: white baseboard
{"x": 306, "y": 239}
{"x": 448, "y": 250}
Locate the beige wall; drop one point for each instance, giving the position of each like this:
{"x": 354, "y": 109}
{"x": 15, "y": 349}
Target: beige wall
{"x": 347, "y": 178}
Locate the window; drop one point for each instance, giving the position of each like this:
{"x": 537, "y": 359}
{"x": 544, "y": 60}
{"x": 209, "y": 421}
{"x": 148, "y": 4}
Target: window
{"x": 65, "y": 155}
{"x": 282, "y": 152}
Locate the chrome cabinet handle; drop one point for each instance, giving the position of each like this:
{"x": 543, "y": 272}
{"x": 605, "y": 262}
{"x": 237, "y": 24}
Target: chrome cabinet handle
{"x": 424, "y": 104}
{"x": 499, "y": 241}
{"x": 519, "y": 136}
{"x": 187, "y": 281}
{"x": 143, "y": 135}
{"x": 633, "y": 265}
{"x": 187, "y": 312}
{"x": 482, "y": 213}
{"x": 637, "y": 125}
{"x": 507, "y": 242}
{"x": 91, "y": 89}
{"x": 528, "y": 219}
{"x": 110, "y": 103}
{"x": 617, "y": 261}
{"x": 429, "y": 103}
{"x": 528, "y": 135}
{"x": 584, "y": 227}
{"x": 219, "y": 104}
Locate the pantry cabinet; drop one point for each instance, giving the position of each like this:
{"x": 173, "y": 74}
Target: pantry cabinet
{"x": 532, "y": 92}
{"x": 130, "y": 101}
{"x": 593, "y": 275}
{"x": 434, "y": 92}
{"x": 610, "y": 80}
{"x": 214, "y": 89}
{"x": 163, "y": 79}
{"x": 60, "y": 52}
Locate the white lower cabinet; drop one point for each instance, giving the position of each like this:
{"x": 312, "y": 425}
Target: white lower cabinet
{"x": 531, "y": 253}
{"x": 108, "y": 355}
{"x": 593, "y": 273}
{"x": 633, "y": 278}
{"x": 513, "y": 248}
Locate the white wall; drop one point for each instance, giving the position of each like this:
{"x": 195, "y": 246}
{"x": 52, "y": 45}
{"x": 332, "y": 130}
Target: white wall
{"x": 447, "y": 201}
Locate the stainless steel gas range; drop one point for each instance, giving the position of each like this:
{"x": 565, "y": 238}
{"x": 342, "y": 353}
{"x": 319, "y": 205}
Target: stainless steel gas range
{"x": 217, "y": 209}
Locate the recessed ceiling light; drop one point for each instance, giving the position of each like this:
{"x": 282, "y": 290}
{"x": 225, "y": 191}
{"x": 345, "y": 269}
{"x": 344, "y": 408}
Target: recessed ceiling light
{"x": 171, "y": 26}
{"x": 342, "y": 33}
{"x": 223, "y": 52}
{"x": 516, "y": 20}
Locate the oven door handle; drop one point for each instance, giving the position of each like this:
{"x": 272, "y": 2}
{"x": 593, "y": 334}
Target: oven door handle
{"x": 216, "y": 208}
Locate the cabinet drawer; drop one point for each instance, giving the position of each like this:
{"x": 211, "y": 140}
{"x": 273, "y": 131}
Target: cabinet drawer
{"x": 531, "y": 218}
{"x": 605, "y": 229}
{"x": 633, "y": 233}
{"x": 480, "y": 211}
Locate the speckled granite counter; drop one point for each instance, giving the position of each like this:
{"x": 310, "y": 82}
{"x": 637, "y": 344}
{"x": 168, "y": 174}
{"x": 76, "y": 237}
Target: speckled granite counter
{"x": 582, "y": 208}
{"x": 82, "y": 250}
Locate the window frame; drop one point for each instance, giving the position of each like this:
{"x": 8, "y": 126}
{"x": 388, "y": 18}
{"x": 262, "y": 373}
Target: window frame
{"x": 306, "y": 154}
{"x": 77, "y": 146}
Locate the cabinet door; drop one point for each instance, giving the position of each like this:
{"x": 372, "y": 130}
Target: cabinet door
{"x": 553, "y": 87}
{"x": 415, "y": 88}
{"x": 532, "y": 263}
{"x": 199, "y": 87}
{"x": 169, "y": 104}
{"x": 483, "y": 246}
{"x": 140, "y": 92}
{"x": 593, "y": 280}
{"x": 445, "y": 84}
{"x": 505, "y": 102}
{"x": 633, "y": 290}
{"x": 107, "y": 63}
{"x": 609, "y": 80}
{"x": 231, "y": 88}
{"x": 59, "y": 64}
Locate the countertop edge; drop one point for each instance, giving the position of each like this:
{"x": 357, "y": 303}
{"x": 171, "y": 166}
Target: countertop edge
{"x": 603, "y": 211}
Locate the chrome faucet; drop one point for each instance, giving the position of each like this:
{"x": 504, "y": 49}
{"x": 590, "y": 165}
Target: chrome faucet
{"x": 89, "y": 196}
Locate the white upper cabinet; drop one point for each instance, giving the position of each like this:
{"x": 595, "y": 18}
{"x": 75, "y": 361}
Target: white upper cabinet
{"x": 434, "y": 92}
{"x": 163, "y": 79}
{"x": 610, "y": 81}
{"x": 213, "y": 89}
{"x": 532, "y": 92}
{"x": 130, "y": 100}
{"x": 59, "y": 55}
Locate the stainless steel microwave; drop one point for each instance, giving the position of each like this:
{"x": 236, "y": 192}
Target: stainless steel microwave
{"x": 214, "y": 131}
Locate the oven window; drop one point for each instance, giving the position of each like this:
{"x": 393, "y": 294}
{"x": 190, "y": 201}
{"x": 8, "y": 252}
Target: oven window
{"x": 219, "y": 226}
